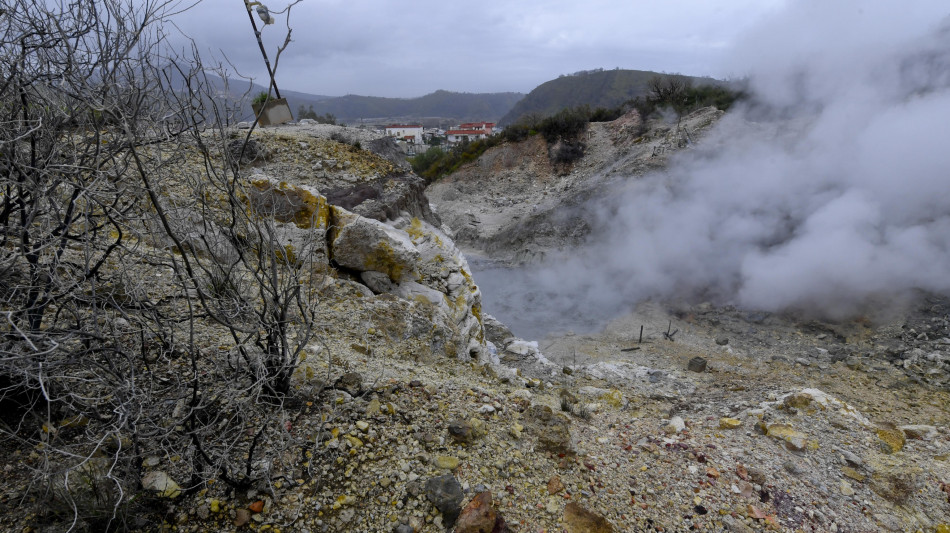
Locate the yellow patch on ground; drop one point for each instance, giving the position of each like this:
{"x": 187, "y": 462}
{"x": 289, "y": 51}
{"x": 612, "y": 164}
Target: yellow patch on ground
{"x": 729, "y": 423}
{"x": 891, "y": 439}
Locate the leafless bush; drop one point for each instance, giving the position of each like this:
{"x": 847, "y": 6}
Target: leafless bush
{"x": 668, "y": 89}
{"x": 145, "y": 319}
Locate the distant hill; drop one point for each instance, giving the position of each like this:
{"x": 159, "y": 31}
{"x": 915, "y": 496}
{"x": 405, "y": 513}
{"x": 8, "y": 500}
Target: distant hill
{"x": 596, "y": 88}
{"x": 461, "y": 107}
{"x": 237, "y": 94}
{"x": 351, "y": 109}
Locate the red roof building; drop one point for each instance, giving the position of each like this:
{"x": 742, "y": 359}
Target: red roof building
{"x": 470, "y": 131}
{"x": 477, "y": 126}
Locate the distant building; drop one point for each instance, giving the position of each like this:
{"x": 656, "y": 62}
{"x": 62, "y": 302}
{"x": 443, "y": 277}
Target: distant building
{"x": 433, "y": 136}
{"x": 470, "y": 131}
{"x": 409, "y": 133}
{"x": 477, "y": 126}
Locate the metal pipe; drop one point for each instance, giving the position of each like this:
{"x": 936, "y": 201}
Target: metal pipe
{"x": 260, "y": 43}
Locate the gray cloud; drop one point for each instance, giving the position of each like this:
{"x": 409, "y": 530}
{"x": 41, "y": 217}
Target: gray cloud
{"x": 842, "y": 209}
{"x": 384, "y": 48}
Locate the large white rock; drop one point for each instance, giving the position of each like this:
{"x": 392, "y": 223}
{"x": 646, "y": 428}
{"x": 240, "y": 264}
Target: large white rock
{"x": 443, "y": 267}
{"x": 674, "y": 425}
{"x": 828, "y": 401}
{"x": 364, "y": 244}
{"x": 300, "y": 218}
{"x": 414, "y": 261}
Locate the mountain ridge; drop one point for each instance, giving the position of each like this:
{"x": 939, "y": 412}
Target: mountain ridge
{"x": 438, "y": 106}
{"x": 445, "y": 104}
{"x": 595, "y": 88}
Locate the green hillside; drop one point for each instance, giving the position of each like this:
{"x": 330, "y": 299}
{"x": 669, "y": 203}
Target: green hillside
{"x": 596, "y": 88}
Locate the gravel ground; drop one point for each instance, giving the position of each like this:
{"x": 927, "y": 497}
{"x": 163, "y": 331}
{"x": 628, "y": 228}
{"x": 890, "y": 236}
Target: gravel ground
{"x": 821, "y": 465}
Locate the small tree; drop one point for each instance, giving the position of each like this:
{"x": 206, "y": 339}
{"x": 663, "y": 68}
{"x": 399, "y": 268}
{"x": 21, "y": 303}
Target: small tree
{"x": 327, "y": 118}
{"x": 261, "y": 98}
{"x": 668, "y": 89}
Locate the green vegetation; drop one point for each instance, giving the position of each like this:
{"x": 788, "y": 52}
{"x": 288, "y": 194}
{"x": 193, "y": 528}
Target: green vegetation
{"x": 326, "y": 118}
{"x": 681, "y": 96}
{"x": 563, "y": 130}
{"x": 261, "y": 98}
{"x": 595, "y": 88}
{"x": 436, "y": 162}
{"x": 565, "y": 125}
{"x": 425, "y": 160}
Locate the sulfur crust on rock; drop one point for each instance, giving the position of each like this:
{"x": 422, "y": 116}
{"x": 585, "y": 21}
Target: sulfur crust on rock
{"x": 310, "y": 210}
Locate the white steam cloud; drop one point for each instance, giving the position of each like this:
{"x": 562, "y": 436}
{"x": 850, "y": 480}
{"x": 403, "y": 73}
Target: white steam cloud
{"x": 831, "y": 197}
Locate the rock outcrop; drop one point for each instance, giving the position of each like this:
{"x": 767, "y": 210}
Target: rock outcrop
{"x": 414, "y": 261}
{"x": 408, "y": 259}
{"x": 386, "y": 198}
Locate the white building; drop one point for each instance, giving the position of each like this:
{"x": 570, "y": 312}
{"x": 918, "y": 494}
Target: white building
{"x": 409, "y": 133}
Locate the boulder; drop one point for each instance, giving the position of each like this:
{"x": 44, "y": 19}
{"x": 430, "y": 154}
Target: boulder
{"x": 442, "y": 267}
{"x": 378, "y": 282}
{"x": 243, "y": 152}
{"x": 797, "y": 400}
{"x": 729, "y": 423}
{"x": 696, "y": 364}
{"x": 821, "y": 401}
{"x": 480, "y": 516}
{"x": 385, "y": 198}
{"x": 351, "y": 383}
{"x": 674, "y": 426}
{"x": 414, "y": 261}
{"x": 302, "y": 205}
{"x": 466, "y": 431}
{"x": 363, "y": 244}
{"x": 794, "y": 440}
{"x": 552, "y": 430}
{"x": 445, "y": 493}
{"x": 890, "y": 438}
{"x": 919, "y": 432}
{"x": 303, "y": 216}
{"x": 418, "y": 292}
{"x": 495, "y": 331}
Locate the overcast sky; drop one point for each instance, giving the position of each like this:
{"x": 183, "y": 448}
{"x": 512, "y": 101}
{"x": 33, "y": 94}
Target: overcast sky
{"x": 407, "y": 49}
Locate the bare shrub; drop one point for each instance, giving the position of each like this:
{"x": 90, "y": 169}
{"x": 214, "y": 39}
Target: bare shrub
{"x": 149, "y": 320}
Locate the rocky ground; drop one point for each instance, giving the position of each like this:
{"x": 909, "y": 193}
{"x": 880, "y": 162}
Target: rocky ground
{"x": 827, "y": 465}
{"x": 713, "y": 420}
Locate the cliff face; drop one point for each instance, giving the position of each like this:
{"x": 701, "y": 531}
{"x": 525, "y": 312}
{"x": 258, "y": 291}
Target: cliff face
{"x": 514, "y": 206}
